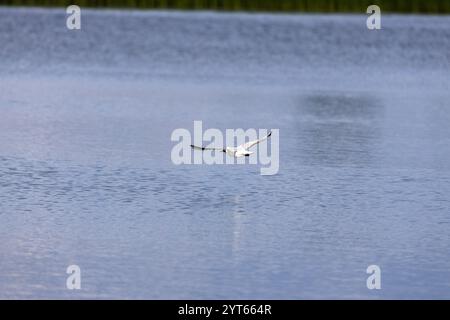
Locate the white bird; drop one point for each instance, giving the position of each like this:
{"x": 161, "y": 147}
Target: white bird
{"x": 239, "y": 151}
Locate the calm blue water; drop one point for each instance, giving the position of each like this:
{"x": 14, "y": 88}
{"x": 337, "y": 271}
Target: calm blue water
{"x": 86, "y": 176}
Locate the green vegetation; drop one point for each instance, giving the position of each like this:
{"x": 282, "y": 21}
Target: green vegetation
{"x": 405, "y": 6}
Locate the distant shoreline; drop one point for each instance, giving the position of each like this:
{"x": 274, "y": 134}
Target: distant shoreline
{"x": 235, "y": 12}
{"x": 264, "y": 6}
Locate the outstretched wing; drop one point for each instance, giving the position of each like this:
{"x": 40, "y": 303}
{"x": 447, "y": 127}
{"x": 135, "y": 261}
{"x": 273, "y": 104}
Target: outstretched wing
{"x": 206, "y": 148}
{"x": 250, "y": 144}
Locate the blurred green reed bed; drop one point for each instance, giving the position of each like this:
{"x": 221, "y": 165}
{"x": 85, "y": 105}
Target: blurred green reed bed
{"x": 403, "y": 6}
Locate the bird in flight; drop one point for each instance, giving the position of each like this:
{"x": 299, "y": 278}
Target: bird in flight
{"x": 239, "y": 151}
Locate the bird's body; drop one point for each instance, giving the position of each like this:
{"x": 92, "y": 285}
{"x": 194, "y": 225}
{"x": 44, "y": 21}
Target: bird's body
{"x": 238, "y": 152}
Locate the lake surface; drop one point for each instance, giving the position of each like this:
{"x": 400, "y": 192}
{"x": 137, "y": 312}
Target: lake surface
{"x": 86, "y": 176}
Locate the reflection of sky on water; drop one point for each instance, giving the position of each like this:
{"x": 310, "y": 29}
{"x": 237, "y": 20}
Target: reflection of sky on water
{"x": 86, "y": 177}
